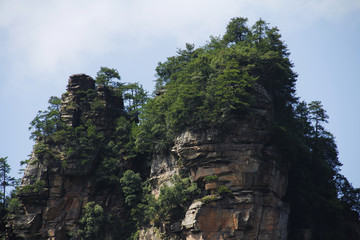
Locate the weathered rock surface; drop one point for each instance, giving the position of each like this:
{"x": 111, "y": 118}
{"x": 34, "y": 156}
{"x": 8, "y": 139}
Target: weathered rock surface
{"x": 55, "y": 210}
{"x": 245, "y": 161}
{"x": 243, "y": 158}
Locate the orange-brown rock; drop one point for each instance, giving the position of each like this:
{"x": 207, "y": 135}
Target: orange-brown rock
{"x": 242, "y": 161}
{"x": 246, "y": 162}
{"x": 54, "y": 211}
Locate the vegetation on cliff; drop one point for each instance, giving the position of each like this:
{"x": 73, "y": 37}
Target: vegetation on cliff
{"x": 198, "y": 89}
{"x": 6, "y": 180}
{"x": 203, "y": 87}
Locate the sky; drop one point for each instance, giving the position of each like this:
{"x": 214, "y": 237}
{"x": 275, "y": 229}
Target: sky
{"x": 43, "y": 42}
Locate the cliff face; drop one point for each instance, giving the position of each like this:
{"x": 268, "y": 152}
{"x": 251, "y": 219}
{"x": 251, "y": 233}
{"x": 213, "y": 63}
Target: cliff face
{"x": 53, "y": 211}
{"x": 243, "y": 160}
{"x": 246, "y": 162}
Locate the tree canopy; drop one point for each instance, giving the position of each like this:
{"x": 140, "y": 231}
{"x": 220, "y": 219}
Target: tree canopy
{"x": 6, "y": 179}
{"x": 202, "y": 87}
{"x": 106, "y": 76}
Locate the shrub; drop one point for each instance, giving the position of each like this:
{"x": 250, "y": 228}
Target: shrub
{"x": 208, "y": 199}
{"x": 15, "y": 206}
{"x": 224, "y": 191}
{"x": 92, "y": 223}
{"x": 211, "y": 178}
{"x": 36, "y": 187}
{"x": 131, "y": 186}
{"x": 174, "y": 200}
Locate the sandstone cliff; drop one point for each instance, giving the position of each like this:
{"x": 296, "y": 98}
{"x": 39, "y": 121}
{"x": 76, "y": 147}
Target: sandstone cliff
{"x": 242, "y": 159}
{"x": 53, "y": 211}
{"x": 245, "y": 161}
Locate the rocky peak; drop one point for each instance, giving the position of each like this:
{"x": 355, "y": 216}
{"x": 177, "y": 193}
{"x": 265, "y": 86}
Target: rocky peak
{"x": 243, "y": 160}
{"x": 80, "y": 82}
{"x": 57, "y": 185}
{"x": 85, "y": 101}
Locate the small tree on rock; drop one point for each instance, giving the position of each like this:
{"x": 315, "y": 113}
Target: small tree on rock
{"x": 106, "y": 77}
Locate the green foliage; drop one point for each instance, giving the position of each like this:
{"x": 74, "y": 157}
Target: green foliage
{"x": 97, "y": 104}
{"x": 201, "y": 88}
{"x": 106, "y": 75}
{"x": 5, "y": 179}
{"x": 109, "y": 171}
{"x": 43, "y": 152}
{"x": 348, "y": 195}
{"x": 134, "y": 97}
{"x": 208, "y": 199}
{"x": 174, "y": 199}
{"x": 3, "y": 221}
{"x": 38, "y": 186}
{"x": 224, "y": 191}
{"x": 57, "y": 140}
{"x": 211, "y": 178}
{"x": 237, "y": 30}
{"x": 15, "y": 206}
{"x": 92, "y": 222}
{"x": 131, "y": 187}
{"x": 317, "y": 115}
{"x": 46, "y": 122}
{"x": 318, "y": 194}
{"x": 120, "y": 151}
{"x": 82, "y": 141}
{"x": 171, "y": 204}
{"x": 199, "y": 94}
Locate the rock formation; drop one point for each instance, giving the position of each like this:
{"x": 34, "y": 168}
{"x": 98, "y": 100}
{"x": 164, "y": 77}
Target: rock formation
{"x": 53, "y": 211}
{"x": 242, "y": 159}
{"x": 245, "y": 161}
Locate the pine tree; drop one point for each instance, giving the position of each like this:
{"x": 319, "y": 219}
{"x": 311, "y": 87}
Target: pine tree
{"x": 5, "y": 179}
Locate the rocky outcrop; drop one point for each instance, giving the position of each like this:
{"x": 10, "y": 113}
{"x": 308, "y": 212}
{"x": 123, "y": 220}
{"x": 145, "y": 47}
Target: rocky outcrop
{"x": 245, "y": 161}
{"x": 242, "y": 160}
{"x": 76, "y": 103}
{"x": 65, "y": 185}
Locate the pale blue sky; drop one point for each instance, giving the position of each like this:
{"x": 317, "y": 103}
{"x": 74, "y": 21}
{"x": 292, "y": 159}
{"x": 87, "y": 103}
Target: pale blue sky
{"x": 43, "y": 42}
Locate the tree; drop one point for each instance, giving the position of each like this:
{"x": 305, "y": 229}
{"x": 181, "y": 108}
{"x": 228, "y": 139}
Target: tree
{"x": 131, "y": 186}
{"x": 92, "y": 222}
{"x": 303, "y": 124}
{"x": 5, "y": 179}
{"x": 317, "y": 116}
{"x": 259, "y": 30}
{"x": 201, "y": 88}
{"x": 134, "y": 97}
{"x": 349, "y": 195}
{"x": 175, "y": 199}
{"x": 46, "y": 122}
{"x": 237, "y": 30}
{"x": 105, "y": 76}
{"x": 320, "y": 197}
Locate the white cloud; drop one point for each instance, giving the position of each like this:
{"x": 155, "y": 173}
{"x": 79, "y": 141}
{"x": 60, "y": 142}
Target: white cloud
{"x": 46, "y": 34}
{"x": 42, "y": 35}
